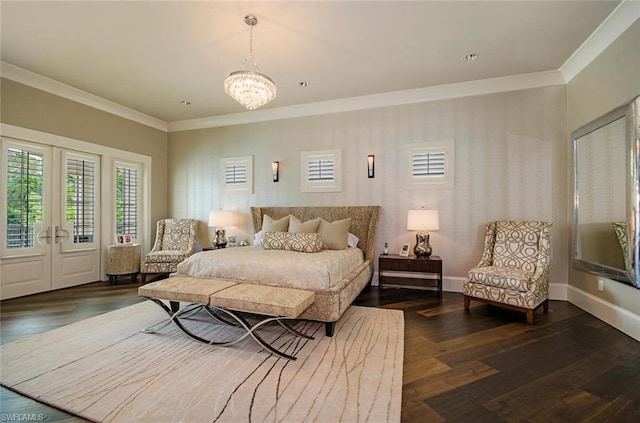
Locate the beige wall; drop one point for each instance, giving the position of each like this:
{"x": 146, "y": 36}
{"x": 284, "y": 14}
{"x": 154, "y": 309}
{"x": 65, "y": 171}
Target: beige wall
{"x": 510, "y": 164}
{"x": 31, "y": 108}
{"x": 609, "y": 81}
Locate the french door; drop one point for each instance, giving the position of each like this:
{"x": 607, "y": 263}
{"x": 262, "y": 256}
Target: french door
{"x": 50, "y": 218}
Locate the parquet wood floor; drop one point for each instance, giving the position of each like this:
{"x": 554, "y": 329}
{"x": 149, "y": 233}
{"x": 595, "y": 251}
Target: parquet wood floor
{"x": 485, "y": 365}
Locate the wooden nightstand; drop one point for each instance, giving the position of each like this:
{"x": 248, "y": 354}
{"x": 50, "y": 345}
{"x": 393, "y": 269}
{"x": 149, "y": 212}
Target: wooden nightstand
{"x": 413, "y": 264}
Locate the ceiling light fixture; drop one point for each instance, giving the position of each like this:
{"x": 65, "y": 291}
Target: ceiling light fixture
{"x": 252, "y": 89}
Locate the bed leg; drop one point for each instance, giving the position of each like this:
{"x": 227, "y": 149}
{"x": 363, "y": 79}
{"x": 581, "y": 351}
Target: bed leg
{"x": 329, "y": 327}
{"x": 175, "y": 306}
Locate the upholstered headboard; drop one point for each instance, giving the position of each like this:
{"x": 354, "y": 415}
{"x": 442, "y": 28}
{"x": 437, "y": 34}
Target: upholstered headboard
{"x": 364, "y": 220}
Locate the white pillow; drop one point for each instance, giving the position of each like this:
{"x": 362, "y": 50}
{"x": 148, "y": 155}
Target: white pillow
{"x": 352, "y": 240}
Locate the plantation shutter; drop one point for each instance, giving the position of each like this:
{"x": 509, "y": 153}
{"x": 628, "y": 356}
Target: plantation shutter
{"x": 127, "y": 201}
{"x": 425, "y": 165}
{"x": 321, "y": 170}
{"x": 235, "y": 174}
{"x": 81, "y": 199}
{"x": 429, "y": 165}
{"x": 24, "y": 173}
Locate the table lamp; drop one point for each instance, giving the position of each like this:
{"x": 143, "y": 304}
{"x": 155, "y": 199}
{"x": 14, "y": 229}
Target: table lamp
{"x": 219, "y": 219}
{"x": 422, "y": 221}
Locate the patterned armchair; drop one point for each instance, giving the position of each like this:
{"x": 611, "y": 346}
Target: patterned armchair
{"x": 514, "y": 269}
{"x": 175, "y": 241}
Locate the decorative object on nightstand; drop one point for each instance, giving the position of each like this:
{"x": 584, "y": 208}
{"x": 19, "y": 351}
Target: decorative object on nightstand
{"x": 412, "y": 264}
{"x": 219, "y": 219}
{"x": 422, "y": 221}
{"x": 123, "y": 260}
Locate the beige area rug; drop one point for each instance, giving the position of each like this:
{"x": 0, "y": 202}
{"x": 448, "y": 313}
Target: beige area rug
{"x": 105, "y": 369}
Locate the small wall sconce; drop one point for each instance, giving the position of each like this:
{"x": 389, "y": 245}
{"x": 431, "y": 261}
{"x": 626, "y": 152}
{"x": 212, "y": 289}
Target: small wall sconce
{"x": 275, "y": 170}
{"x": 371, "y": 165}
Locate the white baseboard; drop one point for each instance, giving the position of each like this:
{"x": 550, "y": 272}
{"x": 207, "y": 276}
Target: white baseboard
{"x": 619, "y": 318}
{"x": 557, "y": 291}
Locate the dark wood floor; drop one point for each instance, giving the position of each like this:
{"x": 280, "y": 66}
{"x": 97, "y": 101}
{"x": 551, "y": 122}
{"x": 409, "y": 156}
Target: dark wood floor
{"x": 485, "y": 365}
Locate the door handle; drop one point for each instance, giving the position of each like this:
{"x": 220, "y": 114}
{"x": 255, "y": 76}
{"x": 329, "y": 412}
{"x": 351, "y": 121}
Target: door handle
{"x": 47, "y": 235}
{"x": 58, "y": 236}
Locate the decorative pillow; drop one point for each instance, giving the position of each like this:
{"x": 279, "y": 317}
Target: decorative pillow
{"x": 292, "y": 241}
{"x": 335, "y": 234}
{"x": 270, "y": 225}
{"x": 352, "y": 240}
{"x": 310, "y": 226}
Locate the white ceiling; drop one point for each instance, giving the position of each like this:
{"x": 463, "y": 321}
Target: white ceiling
{"x": 149, "y": 56}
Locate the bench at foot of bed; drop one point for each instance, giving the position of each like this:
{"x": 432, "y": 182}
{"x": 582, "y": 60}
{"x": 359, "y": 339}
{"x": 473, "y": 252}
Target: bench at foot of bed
{"x": 277, "y": 304}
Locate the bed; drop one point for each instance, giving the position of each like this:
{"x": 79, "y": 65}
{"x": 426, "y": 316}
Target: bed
{"x": 336, "y": 277}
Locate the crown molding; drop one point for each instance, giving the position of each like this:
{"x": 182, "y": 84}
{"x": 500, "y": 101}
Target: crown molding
{"x": 43, "y": 83}
{"x": 622, "y": 17}
{"x": 396, "y": 98}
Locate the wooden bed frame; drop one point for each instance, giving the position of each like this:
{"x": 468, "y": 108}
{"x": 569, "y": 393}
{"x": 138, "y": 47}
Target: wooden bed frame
{"x": 331, "y": 303}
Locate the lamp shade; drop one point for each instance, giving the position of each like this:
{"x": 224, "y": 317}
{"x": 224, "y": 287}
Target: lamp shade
{"x": 423, "y": 220}
{"x": 221, "y": 218}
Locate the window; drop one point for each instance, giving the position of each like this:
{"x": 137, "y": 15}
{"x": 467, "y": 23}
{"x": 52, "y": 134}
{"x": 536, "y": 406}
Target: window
{"x": 24, "y": 196}
{"x": 81, "y": 197}
{"x": 321, "y": 171}
{"x": 127, "y": 204}
{"x": 430, "y": 165}
{"x": 237, "y": 174}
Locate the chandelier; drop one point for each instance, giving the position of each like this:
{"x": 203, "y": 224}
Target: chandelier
{"x": 252, "y": 89}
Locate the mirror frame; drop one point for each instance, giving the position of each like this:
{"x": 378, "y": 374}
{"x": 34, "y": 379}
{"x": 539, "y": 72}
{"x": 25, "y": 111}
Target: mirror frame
{"x": 631, "y": 274}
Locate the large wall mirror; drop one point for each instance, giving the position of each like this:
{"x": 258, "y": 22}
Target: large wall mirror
{"x": 606, "y": 195}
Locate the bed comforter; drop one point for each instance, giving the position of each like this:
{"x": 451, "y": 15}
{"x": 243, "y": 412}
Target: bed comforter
{"x": 311, "y": 271}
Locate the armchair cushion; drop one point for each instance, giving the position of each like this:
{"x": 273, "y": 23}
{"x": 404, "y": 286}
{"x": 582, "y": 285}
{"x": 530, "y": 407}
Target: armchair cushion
{"x": 177, "y": 235}
{"x": 501, "y": 277}
{"x": 516, "y": 245}
{"x": 166, "y": 256}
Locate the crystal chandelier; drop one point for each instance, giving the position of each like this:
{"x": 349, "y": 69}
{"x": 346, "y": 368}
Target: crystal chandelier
{"x": 252, "y": 89}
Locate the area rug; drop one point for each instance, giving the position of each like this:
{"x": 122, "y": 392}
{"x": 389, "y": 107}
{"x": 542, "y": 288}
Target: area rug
{"x": 105, "y": 369}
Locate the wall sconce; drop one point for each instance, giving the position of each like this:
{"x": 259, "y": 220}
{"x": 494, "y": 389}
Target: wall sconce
{"x": 275, "y": 170}
{"x": 371, "y": 165}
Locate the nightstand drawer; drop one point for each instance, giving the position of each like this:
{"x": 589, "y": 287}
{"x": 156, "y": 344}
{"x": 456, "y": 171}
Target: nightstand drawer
{"x": 416, "y": 265}
{"x": 411, "y": 265}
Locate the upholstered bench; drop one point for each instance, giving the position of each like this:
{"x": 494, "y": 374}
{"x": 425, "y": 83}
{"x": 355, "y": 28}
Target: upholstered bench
{"x": 278, "y": 303}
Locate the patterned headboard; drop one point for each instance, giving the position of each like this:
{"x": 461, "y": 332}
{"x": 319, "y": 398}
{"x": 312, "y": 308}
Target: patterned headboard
{"x": 364, "y": 220}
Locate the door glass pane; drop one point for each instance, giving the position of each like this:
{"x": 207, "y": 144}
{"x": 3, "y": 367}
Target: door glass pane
{"x": 24, "y": 196}
{"x": 127, "y": 201}
{"x": 81, "y": 196}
